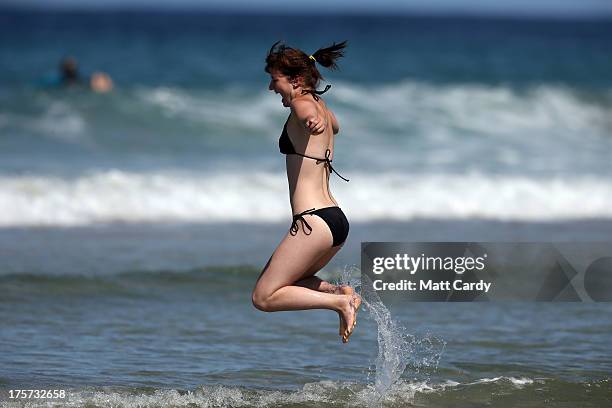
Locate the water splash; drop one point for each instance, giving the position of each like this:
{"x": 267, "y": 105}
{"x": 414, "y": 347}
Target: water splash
{"x": 398, "y": 349}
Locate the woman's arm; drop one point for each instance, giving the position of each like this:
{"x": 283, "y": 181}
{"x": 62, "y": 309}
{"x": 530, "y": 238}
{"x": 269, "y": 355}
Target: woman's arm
{"x": 307, "y": 114}
{"x": 334, "y": 122}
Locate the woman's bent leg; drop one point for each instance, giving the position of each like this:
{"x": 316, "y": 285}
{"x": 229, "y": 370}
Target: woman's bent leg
{"x": 308, "y": 280}
{"x": 315, "y": 283}
{"x": 293, "y": 257}
{"x": 276, "y": 290}
{"x": 318, "y": 284}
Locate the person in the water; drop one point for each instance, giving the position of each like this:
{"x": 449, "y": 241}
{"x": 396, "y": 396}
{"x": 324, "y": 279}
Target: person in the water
{"x": 69, "y": 72}
{"x": 69, "y": 76}
{"x": 319, "y": 227}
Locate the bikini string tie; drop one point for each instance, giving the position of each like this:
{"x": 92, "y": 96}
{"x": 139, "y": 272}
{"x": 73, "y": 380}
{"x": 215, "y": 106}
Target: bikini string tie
{"x": 315, "y": 94}
{"x": 300, "y": 217}
{"x": 328, "y": 162}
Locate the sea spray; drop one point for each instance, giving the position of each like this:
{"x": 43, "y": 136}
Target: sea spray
{"x": 397, "y": 348}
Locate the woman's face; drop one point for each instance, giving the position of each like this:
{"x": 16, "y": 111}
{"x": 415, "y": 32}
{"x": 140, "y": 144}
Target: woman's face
{"x": 281, "y": 84}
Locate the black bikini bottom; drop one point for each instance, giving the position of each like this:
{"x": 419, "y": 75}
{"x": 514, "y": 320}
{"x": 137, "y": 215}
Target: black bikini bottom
{"x": 333, "y": 217}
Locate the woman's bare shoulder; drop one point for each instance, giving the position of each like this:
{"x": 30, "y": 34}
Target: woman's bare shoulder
{"x": 303, "y": 108}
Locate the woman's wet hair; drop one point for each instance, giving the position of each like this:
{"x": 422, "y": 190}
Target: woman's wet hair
{"x": 294, "y": 63}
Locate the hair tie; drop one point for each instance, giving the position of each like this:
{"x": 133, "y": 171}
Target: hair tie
{"x": 312, "y": 58}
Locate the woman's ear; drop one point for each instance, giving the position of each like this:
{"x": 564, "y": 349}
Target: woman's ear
{"x": 296, "y": 82}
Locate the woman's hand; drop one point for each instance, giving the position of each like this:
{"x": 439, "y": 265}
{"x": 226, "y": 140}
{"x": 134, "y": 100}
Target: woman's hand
{"x": 316, "y": 125}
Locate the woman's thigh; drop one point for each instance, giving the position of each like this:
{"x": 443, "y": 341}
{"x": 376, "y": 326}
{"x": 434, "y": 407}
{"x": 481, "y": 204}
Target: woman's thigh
{"x": 294, "y": 256}
{"x": 322, "y": 261}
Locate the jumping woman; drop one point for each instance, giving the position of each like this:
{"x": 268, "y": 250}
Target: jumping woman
{"x": 319, "y": 227}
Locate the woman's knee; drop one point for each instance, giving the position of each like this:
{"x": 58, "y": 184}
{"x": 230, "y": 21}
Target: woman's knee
{"x": 260, "y": 301}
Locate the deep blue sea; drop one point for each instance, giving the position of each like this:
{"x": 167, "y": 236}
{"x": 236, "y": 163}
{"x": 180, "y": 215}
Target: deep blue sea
{"x": 134, "y": 224}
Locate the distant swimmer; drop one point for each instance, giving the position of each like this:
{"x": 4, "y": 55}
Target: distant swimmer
{"x": 319, "y": 228}
{"x": 69, "y": 76}
{"x": 69, "y": 72}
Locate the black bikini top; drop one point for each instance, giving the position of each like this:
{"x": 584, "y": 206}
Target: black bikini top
{"x": 286, "y": 147}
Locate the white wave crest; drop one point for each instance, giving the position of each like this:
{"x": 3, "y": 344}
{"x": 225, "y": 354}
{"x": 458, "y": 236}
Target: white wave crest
{"x": 118, "y": 196}
{"x": 517, "y": 382}
{"x": 318, "y": 393}
{"x": 58, "y": 120}
{"x": 434, "y": 111}
{"x": 492, "y": 110}
{"x": 227, "y": 109}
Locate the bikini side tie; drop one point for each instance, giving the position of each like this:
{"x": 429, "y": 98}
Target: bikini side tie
{"x": 300, "y": 217}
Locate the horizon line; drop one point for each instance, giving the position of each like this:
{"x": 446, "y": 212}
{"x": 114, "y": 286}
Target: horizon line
{"x": 335, "y": 12}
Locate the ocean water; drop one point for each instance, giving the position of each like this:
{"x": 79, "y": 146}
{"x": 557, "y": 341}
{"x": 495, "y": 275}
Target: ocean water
{"x": 174, "y": 338}
{"x": 511, "y": 116}
{"x": 134, "y": 224}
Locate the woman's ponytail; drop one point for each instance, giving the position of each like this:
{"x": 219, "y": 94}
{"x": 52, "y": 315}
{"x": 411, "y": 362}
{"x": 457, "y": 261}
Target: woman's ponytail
{"x": 296, "y": 63}
{"x": 328, "y": 56}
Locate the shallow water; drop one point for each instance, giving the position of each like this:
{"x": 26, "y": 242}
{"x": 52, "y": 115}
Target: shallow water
{"x": 180, "y": 337}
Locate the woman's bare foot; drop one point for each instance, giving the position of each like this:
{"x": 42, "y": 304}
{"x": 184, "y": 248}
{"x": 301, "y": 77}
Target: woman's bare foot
{"x": 348, "y": 313}
{"x": 342, "y": 290}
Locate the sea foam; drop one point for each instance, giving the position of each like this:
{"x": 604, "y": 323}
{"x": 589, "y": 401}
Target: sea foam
{"x": 179, "y": 196}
